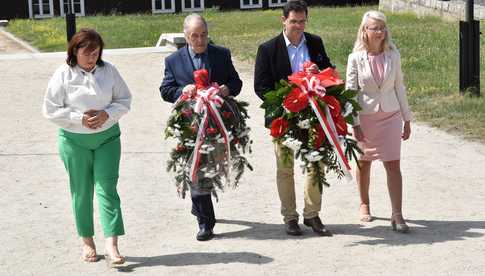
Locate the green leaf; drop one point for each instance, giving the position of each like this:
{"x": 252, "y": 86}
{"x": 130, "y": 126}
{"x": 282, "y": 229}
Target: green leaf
{"x": 350, "y": 119}
{"x": 355, "y": 105}
{"x": 350, "y": 94}
{"x": 335, "y": 90}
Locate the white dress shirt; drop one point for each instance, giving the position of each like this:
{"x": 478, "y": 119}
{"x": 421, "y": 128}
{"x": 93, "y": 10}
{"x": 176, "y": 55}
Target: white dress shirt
{"x": 297, "y": 54}
{"x": 72, "y": 91}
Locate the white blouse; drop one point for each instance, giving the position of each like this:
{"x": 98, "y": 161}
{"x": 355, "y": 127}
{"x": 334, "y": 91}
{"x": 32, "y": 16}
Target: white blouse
{"x": 72, "y": 91}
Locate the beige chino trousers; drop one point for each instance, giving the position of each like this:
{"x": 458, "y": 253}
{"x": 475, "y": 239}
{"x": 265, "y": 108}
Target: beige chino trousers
{"x": 286, "y": 187}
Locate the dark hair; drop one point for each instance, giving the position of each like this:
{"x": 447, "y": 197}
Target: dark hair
{"x": 295, "y": 6}
{"x": 84, "y": 38}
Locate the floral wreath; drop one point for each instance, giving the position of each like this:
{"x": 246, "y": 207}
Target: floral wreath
{"x": 212, "y": 138}
{"x": 309, "y": 115}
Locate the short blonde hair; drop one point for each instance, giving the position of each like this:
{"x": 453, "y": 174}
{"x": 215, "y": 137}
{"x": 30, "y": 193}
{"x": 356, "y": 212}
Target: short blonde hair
{"x": 361, "y": 43}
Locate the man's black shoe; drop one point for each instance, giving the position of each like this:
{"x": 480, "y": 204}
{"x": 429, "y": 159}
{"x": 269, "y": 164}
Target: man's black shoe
{"x": 292, "y": 228}
{"x": 205, "y": 234}
{"x": 317, "y": 226}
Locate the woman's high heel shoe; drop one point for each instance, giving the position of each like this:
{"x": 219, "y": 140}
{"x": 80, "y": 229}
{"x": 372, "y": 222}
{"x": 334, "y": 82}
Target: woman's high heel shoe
{"x": 365, "y": 216}
{"x": 399, "y": 227}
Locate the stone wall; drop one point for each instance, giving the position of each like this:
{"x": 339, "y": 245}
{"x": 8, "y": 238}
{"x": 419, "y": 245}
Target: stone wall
{"x": 448, "y": 9}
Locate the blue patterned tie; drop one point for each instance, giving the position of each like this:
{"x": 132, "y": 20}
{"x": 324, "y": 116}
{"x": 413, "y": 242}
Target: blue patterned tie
{"x": 199, "y": 62}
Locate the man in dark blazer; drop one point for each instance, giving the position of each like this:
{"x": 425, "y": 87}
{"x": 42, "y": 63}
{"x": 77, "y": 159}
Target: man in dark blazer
{"x": 179, "y": 79}
{"x": 277, "y": 59}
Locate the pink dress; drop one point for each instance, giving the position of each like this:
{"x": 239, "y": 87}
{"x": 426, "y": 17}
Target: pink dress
{"x": 382, "y": 130}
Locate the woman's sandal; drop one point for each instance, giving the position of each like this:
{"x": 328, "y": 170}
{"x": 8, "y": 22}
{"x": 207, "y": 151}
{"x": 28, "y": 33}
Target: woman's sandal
{"x": 89, "y": 255}
{"x": 399, "y": 227}
{"x": 114, "y": 260}
{"x": 365, "y": 217}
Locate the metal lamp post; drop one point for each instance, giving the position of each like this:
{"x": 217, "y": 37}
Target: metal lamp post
{"x": 70, "y": 21}
{"x": 470, "y": 52}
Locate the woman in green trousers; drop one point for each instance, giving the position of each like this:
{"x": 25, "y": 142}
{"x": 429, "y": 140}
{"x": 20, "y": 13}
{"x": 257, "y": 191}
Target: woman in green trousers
{"x": 86, "y": 97}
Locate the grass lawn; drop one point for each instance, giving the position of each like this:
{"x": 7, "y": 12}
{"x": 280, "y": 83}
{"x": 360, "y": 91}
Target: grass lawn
{"x": 429, "y": 50}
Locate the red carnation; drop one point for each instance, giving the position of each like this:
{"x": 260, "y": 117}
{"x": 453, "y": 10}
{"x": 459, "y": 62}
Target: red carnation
{"x": 333, "y": 104}
{"x": 211, "y": 131}
{"x": 321, "y": 137}
{"x": 296, "y": 100}
{"x": 180, "y": 148}
{"x": 279, "y": 127}
{"x": 201, "y": 78}
{"x": 227, "y": 114}
{"x": 340, "y": 125}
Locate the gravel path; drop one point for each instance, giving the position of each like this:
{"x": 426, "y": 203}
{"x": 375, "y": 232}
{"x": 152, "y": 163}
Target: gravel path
{"x": 443, "y": 197}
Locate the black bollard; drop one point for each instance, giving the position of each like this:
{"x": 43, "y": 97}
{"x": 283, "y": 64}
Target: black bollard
{"x": 470, "y": 52}
{"x": 70, "y": 22}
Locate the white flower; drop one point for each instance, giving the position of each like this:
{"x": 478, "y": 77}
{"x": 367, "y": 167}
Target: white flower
{"x": 303, "y": 150}
{"x": 176, "y": 126}
{"x": 189, "y": 144}
{"x": 176, "y": 133}
{"x": 348, "y": 109}
{"x": 305, "y": 124}
{"x": 313, "y": 156}
{"x": 210, "y": 174}
{"x": 292, "y": 143}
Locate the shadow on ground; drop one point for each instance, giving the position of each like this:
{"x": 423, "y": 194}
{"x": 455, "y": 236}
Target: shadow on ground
{"x": 422, "y": 231}
{"x": 193, "y": 258}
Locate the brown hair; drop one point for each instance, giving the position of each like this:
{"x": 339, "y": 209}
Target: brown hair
{"x": 84, "y": 38}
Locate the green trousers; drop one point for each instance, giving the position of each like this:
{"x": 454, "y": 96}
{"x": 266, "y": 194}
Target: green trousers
{"x": 92, "y": 162}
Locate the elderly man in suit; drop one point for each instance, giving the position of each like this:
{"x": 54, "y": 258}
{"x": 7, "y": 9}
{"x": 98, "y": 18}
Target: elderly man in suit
{"x": 277, "y": 59}
{"x": 179, "y": 79}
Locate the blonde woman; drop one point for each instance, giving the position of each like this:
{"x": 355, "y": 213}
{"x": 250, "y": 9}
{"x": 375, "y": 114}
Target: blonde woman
{"x": 374, "y": 69}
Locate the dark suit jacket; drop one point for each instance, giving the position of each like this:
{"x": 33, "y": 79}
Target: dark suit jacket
{"x": 179, "y": 72}
{"x": 273, "y": 63}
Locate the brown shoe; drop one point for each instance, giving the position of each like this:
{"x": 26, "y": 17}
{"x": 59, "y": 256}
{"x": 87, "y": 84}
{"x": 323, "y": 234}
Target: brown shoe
{"x": 317, "y": 226}
{"x": 292, "y": 228}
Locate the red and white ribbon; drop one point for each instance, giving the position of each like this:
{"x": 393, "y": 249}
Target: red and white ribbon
{"x": 207, "y": 103}
{"x": 312, "y": 86}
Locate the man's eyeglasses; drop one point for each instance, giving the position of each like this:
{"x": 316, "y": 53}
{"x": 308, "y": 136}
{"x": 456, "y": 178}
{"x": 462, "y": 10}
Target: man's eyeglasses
{"x": 299, "y": 22}
{"x": 376, "y": 30}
